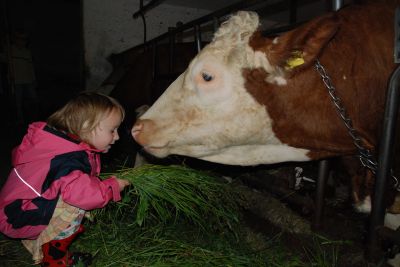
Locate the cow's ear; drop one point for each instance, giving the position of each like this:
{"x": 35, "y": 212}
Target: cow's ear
{"x": 301, "y": 47}
{"x": 236, "y": 31}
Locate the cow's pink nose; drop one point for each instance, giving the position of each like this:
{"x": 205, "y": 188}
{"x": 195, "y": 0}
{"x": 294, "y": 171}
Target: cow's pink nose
{"x": 141, "y": 129}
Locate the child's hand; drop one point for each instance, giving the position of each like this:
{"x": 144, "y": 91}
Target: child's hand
{"x": 122, "y": 183}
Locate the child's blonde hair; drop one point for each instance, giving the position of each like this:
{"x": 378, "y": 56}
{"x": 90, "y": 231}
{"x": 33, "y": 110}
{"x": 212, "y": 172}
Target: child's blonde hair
{"x": 81, "y": 115}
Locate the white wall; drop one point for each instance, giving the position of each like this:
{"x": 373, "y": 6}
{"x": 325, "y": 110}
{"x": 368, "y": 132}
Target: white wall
{"x": 110, "y": 28}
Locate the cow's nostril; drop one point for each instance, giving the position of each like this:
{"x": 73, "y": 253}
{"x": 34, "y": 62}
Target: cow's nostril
{"x": 136, "y": 128}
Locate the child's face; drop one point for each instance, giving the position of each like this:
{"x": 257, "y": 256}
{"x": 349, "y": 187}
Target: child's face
{"x": 106, "y": 133}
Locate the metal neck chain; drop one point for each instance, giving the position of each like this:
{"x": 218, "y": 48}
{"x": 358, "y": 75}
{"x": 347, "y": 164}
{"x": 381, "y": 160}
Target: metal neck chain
{"x": 367, "y": 159}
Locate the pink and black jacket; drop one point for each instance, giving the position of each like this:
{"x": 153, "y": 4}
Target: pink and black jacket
{"x": 49, "y": 164}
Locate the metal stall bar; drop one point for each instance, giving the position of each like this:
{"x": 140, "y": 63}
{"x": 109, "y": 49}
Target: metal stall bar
{"x": 337, "y": 4}
{"x": 144, "y": 8}
{"x": 385, "y": 159}
{"x": 323, "y": 173}
{"x": 197, "y": 37}
{"x": 323, "y": 166}
{"x": 386, "y": 153}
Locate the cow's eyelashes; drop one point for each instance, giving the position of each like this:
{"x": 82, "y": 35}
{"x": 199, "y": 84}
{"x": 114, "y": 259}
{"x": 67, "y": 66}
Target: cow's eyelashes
{"x": 206, "y": 77}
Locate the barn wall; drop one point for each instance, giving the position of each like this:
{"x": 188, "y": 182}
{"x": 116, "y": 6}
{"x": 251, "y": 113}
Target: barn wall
{"x": 110, "y": 28}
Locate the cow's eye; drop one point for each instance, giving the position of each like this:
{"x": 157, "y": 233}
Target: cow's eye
{"x": 207, "y": 77}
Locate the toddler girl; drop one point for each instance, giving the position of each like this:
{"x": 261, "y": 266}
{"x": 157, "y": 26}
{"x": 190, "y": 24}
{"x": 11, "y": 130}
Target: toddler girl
{"x": 55, "y": 178}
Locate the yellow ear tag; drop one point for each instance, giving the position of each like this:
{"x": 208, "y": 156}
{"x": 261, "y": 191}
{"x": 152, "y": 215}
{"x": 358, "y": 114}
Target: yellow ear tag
{"x": 294, "y": 61}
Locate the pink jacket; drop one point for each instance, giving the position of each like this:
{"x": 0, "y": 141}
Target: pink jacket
{"x": 49, "y": 164}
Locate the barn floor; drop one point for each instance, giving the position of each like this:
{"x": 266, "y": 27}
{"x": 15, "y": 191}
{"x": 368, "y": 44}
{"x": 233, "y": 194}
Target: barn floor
{"x": 340, "y": 223}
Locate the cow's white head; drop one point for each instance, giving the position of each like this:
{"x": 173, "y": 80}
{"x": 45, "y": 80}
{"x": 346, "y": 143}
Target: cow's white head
{"x": 208, "y": 112}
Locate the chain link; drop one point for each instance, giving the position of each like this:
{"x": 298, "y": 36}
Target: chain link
{"x": 367, "y": 159}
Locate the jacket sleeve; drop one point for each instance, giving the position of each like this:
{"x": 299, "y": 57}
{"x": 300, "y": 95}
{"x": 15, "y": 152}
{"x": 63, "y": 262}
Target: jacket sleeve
{"x": 89, "y": 192}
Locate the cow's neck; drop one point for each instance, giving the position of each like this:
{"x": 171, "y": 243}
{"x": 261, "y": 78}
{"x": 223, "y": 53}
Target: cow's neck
{"x": 303, "y": 118}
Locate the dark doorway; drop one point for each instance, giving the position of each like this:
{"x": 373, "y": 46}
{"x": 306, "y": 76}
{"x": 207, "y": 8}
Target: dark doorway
{"x": 55, "y": 32}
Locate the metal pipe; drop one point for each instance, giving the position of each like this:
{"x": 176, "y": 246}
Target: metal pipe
{"x": 144, "y": 8}
{"x": 386, "y": 152}
{"x": 197, "y": 37}
{"x": 337, "y": 4}
{"x": 323, "y": 171}
{"x": 215, "y": 24}
{"x": 144, "y": 28}
{"x": 323, "y": 166}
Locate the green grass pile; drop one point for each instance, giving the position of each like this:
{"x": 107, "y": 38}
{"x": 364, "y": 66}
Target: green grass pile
{"x": 169, "y": 216}
{"x": 169, "y": 193}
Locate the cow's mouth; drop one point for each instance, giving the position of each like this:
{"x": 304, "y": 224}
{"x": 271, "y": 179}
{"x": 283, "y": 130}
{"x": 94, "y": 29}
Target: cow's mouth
{"x": 149, "y": 148}
{"x": 158, "y": 151}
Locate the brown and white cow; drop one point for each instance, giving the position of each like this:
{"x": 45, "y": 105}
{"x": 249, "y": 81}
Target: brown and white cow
{"x": 246, "y": 99}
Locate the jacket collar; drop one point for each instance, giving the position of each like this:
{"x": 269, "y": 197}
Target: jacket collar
{"x": 71, "y": 137}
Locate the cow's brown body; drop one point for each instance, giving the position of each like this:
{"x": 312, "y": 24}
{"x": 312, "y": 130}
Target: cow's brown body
{"x": 247, "y": 99}
{"x": 359, "y": 60}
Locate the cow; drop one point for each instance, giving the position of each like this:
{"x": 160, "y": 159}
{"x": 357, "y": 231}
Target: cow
{"x": 248, "y": 99}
